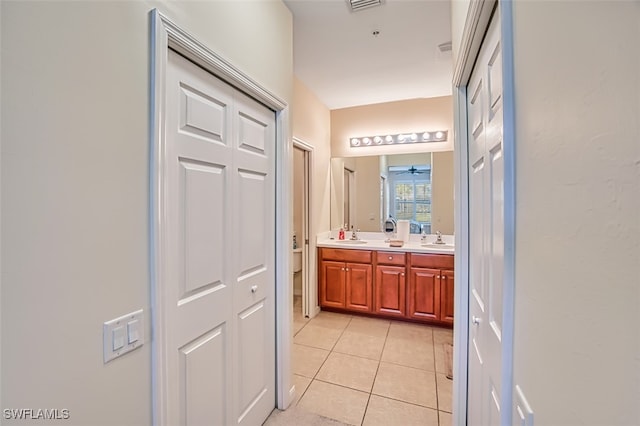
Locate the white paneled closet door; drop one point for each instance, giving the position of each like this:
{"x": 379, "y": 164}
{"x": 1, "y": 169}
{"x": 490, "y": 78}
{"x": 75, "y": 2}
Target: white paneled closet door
{"x": 486, "y": 231}
{"x": 219, "y": 318}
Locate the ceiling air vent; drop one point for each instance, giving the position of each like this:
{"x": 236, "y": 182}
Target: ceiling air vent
{"x": 357, "y": 5}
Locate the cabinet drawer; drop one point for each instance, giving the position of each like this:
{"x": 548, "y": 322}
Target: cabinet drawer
{"x": 391, "y": 258}
{"x": 437, "y": 261}
{"x": 346, "y": 255}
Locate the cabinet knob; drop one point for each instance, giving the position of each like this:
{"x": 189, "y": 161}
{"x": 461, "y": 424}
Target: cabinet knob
{"x": 343, "y": 269}
{"x": 438, "y": 277}
{"x": 475, "y": 320}
{"x": 347, "y": 269}
{"x": 390, "y": 257}
{"x": 402, "y": 274}
{"x": 254, "y": 289}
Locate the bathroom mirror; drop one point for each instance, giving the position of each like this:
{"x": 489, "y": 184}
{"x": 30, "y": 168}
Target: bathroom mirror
{"x": 419, "y": 187}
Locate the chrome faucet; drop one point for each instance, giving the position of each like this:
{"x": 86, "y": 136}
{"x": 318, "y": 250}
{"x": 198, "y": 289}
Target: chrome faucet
{"x": 354, "y": 235}
{"x": 423, "y": 237}
{"x": 439, "y": 239}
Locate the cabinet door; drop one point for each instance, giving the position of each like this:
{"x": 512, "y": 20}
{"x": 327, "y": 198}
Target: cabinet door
{"x": 390, "y": 290}
{"x": 423, "y": 299}
{"x": 332, "y": 285}
{"x": 358, "y": 287}
{"x": 446, "y": 296}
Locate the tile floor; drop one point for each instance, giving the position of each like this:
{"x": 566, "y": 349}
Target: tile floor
{"x": 368, "y": 371}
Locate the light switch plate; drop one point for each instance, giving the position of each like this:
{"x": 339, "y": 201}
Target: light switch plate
{"x": 122, "y": 335}
{"x": 522, "y": 414}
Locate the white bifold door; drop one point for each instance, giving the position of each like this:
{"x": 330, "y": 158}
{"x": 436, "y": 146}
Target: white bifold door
{"x": 486, "y": 232}
{"x": 219, "y": 290}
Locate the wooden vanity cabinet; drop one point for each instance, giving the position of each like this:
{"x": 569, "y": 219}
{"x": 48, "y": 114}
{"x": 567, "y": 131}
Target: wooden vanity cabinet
{"x": 423, "y": 297}
{"x": 345, "y": 279}
{"x": 412, "y": 286}
{"x": 390, "y": 284}
{"x": 430, "y": 294}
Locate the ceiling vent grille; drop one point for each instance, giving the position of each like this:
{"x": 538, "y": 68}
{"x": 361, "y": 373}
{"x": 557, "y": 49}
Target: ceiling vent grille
{"x": 357, "y": 5}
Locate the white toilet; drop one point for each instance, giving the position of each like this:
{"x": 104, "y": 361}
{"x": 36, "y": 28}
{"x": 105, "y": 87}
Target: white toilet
{"x": 297, "y": 260}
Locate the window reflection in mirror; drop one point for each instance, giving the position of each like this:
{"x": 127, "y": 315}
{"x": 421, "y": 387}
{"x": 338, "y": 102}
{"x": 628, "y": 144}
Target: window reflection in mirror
{"x": 417, "y": 187}
{"x": 410, "y": 194}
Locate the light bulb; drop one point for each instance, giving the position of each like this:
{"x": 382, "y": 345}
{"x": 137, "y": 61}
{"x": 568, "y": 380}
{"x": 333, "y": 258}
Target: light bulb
{"x": 439, "y": 135}
{"x": 377, "y": 140}
{"x": 414, "y": 137}
{"x": 389, "y": 139}
{"x": 355, "y": 142}
{"x": 401, "y": 138}
{"x": 426, "y": 136}
{"x": 366, "y": 141}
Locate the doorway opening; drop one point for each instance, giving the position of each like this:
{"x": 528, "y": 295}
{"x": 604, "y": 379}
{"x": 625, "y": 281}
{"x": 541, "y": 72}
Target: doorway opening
{"x": 303, "y": 294}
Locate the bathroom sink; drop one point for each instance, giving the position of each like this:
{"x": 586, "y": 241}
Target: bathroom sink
{"x": 350, "y": 241}
{"x": 438, "y": 246}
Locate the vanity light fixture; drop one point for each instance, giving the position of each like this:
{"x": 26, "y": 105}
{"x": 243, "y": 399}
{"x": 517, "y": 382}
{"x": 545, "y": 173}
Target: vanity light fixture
{"x": 400, "y": 138}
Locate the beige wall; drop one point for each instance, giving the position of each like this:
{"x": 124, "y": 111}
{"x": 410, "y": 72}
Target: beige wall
{"x": 414, "y": 115}
{"x": 311, "y": 124}
{"x": 578, "y": 186}
{"x": 75, "y": 187}
{"x": 577, "y": 88}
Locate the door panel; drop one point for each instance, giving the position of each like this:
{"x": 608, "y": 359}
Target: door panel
{"x": 254, "y": 380}
{"x": 201, "y": 367}
{"x": 358, "y": 286}
{"x": 447, "y": 286}
{"x": 252, "y": 235}
{"x": 202, "y": 115}
{"x": 254, "y": 295}
{"x": 424, "y": 293}
{"x": 203, "y": 217}
{"x": 390, "y": 290}
{"x": 333, "y": 284}
{"x": 486, "y": 232}
{"x": 219, "y": 302}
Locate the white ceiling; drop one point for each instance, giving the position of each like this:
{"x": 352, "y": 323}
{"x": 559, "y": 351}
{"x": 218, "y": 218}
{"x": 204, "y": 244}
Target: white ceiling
{"x": 338, "y": 58}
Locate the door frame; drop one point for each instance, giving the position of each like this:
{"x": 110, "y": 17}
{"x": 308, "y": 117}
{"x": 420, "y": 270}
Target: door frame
{"x": 475, "y": 27}
{"x": 309, "y": 292}
{"x": 166, "y": 34}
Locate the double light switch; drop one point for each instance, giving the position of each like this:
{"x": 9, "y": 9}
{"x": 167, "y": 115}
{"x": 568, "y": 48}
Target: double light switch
{"x": 123, "y": 334}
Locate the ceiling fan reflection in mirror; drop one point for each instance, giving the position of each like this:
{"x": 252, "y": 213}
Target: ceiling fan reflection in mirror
{"x": 412, "y": 170}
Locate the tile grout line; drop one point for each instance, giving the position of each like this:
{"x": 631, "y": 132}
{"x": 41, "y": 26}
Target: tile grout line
{"x": 405, "y": 402}
{"x": 323, "y": 362}
{"x": 435, "y": 368}
{"x": 366, "y": 408}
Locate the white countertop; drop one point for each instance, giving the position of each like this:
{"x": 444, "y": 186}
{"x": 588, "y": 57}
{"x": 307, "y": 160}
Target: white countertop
{"x": 376, "y": 241}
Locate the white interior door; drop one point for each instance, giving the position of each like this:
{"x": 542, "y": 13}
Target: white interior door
{"x": 219, "y": 311}
{"x": 486, "y": 232}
